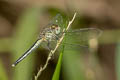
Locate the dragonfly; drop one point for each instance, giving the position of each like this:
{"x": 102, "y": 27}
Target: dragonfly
{"x": 53, "y": 31}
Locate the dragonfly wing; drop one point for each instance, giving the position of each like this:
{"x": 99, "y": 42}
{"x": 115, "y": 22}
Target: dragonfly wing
{"x": 73, "y": 47}
{"x": 59, "y": 20}
{"x": 51, "y": 46}
{"x": 82, "y": 36}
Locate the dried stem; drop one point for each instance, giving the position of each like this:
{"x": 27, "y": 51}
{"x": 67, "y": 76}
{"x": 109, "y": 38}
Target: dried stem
{"x": 53, "y": 51}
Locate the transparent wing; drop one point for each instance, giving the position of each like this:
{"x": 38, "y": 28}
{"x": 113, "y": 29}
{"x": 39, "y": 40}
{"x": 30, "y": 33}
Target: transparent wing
{"x": 82, "y": 36}
{"x": 58, "y": 20}
{"x": 78, "y": 39}
{"x": 76, "y": 47}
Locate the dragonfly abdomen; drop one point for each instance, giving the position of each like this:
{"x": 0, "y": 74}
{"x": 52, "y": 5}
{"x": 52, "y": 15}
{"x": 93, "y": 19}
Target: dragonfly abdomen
{"x": 35, "y": 45}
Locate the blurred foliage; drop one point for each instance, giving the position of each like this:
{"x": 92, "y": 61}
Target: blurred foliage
{"x": 72, "y": 62}
{"x": 24, "y": 37}
{"x": 117, "y": 61}
{"x": 3, "y": 75}
{"x": 5, "y": 42}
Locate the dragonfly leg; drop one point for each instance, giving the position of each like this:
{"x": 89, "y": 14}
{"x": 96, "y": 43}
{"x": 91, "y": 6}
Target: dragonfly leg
{"x": 48, "y": 46}
{"x": 57, "y": 38}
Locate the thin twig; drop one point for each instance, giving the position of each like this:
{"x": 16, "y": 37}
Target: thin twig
{"x": 53, "y": 51}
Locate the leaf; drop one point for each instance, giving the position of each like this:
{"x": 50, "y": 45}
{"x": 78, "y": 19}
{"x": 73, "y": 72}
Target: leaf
{"x": 58, "y": 68}
{"x": 3, "y": 75}
{"x": 24, "y": 37}
{"x": 118, "y": 61}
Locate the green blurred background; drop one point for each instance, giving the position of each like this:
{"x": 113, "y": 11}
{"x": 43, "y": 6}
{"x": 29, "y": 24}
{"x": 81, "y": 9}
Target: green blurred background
{"x": 21, "y": 21}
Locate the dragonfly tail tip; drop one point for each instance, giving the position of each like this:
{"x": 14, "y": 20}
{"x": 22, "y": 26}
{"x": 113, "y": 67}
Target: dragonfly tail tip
{"x": 13, "y": 65}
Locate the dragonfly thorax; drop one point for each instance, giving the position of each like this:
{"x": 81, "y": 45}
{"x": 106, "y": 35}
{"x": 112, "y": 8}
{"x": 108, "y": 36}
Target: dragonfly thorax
{"x": 51, "y": 33}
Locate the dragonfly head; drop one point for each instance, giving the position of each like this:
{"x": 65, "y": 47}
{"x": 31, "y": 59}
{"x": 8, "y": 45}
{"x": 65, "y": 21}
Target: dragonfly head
{"x": 55, "y": 28}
